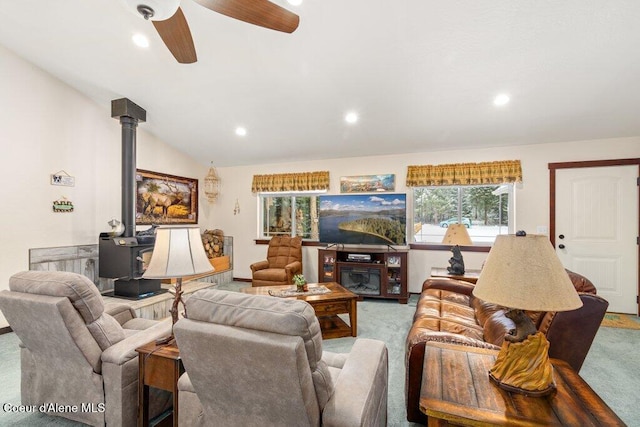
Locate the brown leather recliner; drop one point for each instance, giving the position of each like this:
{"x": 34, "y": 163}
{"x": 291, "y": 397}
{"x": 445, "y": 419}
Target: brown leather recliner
{"x": 448, "y": 312}
{"x": 284, "y": 260}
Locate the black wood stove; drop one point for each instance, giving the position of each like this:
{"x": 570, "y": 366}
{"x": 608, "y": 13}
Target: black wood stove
{"x": 125, "y": 257}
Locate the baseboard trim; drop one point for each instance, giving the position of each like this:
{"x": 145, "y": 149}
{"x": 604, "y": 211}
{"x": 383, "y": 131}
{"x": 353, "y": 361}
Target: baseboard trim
{"x": 240, "y": 279}
{"x": 5, "y": 330}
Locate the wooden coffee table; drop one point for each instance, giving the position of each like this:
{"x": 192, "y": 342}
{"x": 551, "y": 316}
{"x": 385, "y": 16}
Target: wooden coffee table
{"x": 327, "y": 307}
{"x": 456, "y": 390}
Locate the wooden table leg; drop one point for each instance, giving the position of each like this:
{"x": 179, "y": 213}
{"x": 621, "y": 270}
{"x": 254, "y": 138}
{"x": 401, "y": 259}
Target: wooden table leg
{"x": 176, "y": 376}
{"x": 353, "y": 317}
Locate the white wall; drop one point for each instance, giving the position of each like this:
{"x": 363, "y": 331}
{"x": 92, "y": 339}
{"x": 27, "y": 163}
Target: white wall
{"x": 46, "y": 127}
{"x": 532, "y": 197}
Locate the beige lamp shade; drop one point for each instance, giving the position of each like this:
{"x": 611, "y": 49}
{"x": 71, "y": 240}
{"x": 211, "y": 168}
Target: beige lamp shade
{"x": 457, "y": 234}
{"x": 178, "y": 252}
{"x": 524, "y": 272}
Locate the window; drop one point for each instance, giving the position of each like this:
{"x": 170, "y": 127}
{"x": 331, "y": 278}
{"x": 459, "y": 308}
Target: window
{"x": 289, "y": 214}
{"x": 485, "y": 210}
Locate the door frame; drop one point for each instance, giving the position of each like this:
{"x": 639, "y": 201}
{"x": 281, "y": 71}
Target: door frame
{"x": 553, "y": 167}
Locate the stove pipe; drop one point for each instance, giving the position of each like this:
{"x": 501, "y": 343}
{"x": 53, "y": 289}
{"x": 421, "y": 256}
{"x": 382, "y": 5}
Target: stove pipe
{"x": 129, "y": 114}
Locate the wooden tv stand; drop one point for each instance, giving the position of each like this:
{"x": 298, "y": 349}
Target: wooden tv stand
{"x": 369, "y": 273}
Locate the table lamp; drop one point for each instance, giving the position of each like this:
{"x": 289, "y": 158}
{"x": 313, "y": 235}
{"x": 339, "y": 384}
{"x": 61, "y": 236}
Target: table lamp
{"x": 523, "y": 272}
{"x": 456, "y": 235}
{"x": 178, "y": 252}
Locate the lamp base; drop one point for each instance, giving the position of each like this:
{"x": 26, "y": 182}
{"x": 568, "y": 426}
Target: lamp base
{"x": 524, "y": 367}
{"x": 513, "y": 389}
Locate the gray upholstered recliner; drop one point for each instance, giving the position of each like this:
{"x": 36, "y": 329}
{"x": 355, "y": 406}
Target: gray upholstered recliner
{"x": 75, "y": 350}
{"x": 258, "y": 361}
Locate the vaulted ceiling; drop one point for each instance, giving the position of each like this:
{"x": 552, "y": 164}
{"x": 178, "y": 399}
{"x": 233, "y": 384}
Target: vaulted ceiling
{"x": 421, "y": 74}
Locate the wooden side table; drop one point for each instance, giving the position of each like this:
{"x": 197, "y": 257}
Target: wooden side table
{"x": 159, "y": 366}
{"x": 468, "y": 276}
{"x": 456, "y": 389}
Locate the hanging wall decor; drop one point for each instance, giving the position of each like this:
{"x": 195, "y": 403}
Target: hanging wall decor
{"x": 62, "y": 178}
{"x": 62, "y": 205}
{"x": 212, "y": 184}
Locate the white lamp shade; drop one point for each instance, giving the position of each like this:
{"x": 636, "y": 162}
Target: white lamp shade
{"x": 457, "y": 234}
{"x": 524, "y": 272}
{"x": 178, "y": 252}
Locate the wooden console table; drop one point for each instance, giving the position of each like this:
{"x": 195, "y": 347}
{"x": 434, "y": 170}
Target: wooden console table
{"x": 456, "y": 389}
{"x": 159, "y": 366}
{"x": 468, "y": 276}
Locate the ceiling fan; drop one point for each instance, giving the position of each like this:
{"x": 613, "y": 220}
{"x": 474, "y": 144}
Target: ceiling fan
{"x": 171, "y": 24}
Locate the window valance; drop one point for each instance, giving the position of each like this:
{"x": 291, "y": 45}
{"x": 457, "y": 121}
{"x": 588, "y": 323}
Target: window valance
{"x": 499, "y": 172}
{"x": 299, "y": 181}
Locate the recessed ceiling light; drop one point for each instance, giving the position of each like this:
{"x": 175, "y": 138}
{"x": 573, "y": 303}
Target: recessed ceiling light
{"x": 501, "y": 100}
{"x": 295, "y": 2}
{"x": 240, "y": 131}
{"x": 140, "y": 40}
{"x": 351, "y": 117}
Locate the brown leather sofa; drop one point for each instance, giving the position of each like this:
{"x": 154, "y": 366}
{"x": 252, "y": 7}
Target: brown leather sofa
{"x": 448, "y": 312}
{"x": 284, "y": 260}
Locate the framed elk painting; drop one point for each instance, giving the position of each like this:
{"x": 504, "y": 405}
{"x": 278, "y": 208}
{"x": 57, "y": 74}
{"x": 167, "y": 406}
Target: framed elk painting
{"x": 165, "y": 199}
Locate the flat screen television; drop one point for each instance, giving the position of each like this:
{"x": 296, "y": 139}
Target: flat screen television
{"x": 371, "y": 219}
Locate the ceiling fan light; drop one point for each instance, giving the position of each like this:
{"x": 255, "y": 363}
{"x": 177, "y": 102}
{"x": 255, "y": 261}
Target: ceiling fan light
{"x": 161, "y": 9}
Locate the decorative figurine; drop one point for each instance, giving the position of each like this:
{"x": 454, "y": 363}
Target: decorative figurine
{"x": 456, "y": 263}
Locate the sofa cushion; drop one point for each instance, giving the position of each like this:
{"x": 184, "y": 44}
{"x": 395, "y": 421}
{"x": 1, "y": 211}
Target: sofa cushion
{"x": 106, "y": 331}
{"x": 271, "y": 275}
{"x": 82, "y": 293}
{"x": 448, "y": 312}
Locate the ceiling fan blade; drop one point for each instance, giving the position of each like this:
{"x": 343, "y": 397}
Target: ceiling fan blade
{"x": 258, "y": 12}
{"x": 176, "y": 35}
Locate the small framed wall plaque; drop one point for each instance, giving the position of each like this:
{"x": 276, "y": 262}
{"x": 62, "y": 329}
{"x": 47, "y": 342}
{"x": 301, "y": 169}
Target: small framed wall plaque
{"x": 62, "y": 178}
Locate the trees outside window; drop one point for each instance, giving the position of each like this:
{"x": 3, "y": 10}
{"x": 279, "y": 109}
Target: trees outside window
{"x": 290, "y": 215}
{"x": 485, "y": 210}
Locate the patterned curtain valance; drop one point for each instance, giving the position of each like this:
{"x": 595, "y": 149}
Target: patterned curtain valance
{"x": 300, "y": 181}
{"x": 465, "y": 173}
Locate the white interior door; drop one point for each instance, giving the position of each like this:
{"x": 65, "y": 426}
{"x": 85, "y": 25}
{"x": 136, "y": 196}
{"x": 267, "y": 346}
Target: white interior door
{"x": 596, "y": 230}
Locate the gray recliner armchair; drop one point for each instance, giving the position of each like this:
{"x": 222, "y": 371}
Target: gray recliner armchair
{"x": 75, "y": 350}
{"x": 258, "y": 361}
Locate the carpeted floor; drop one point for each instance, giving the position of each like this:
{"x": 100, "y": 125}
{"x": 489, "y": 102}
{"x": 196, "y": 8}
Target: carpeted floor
{"x": 617, "y": 320}
{"x": 612, "y": 367}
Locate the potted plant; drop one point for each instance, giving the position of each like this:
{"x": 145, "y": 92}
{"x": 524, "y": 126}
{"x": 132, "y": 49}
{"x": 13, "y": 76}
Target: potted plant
{"x": 300, "y": 282}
